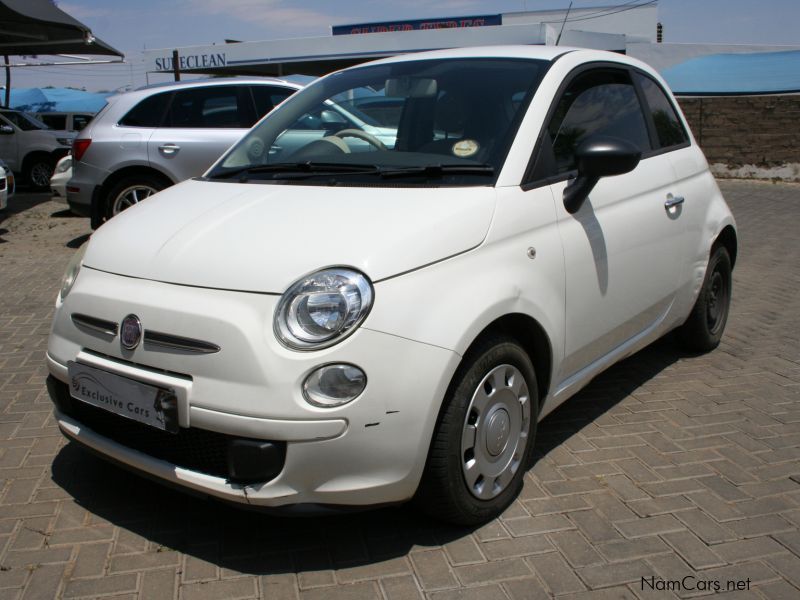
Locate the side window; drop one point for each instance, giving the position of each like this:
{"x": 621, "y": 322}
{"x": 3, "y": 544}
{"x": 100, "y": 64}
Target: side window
{"x": 598, "y": 102}
{"x": 210, "y": 107}
{"x": 267, "y": 98}
{"x": 148, "y": 113}
{"x": 79, "y": 122}
{"x": 668, "y": 126}
{"x": 54, "y": 121}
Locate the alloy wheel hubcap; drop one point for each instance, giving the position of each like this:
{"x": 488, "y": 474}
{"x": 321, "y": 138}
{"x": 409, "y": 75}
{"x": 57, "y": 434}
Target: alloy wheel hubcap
{"x": 40, "y": 175}
{"x": 495, "y": 432}
{"x": 130, "y": 196}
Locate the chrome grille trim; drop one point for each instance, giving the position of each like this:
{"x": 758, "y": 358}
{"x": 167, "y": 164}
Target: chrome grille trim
{"x": 95, "y": 325}
{"x": 176, "y": 342}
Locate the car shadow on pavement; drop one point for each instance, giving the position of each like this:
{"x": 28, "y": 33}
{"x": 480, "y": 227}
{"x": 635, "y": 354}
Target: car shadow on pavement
{"x": 165, "y": 520}
{"x": 606, "y": 391}
{"x": 77, "y": 242}
{"x": 20, "y": 202}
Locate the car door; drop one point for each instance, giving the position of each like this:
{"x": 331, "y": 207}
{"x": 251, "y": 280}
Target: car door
{"x": 691, "y": 172}
{"x": 200, "y": 124}
{"x": 623, "y": 248}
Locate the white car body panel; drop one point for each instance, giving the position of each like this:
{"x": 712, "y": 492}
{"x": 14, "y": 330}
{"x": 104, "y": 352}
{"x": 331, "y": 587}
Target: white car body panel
{"x": 210, "y": 259}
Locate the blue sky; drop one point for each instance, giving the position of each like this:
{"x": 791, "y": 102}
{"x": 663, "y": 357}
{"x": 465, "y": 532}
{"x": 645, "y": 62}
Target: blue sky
{"x": 132, "y": 25}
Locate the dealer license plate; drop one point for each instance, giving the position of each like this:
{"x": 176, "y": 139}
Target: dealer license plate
{"x": 125, "y": 397}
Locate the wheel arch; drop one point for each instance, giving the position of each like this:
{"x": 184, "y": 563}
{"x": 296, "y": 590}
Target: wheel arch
{"x": 100, "y": 197}
{"x": 132, "y": 171}
{"x": 533, "y": 338}
{"x": 727, "y": 238}
{"x": 33, "y": 155}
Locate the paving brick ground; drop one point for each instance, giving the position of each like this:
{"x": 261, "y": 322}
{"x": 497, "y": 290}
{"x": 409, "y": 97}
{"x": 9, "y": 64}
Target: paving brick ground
{"x": 667, "y": 467}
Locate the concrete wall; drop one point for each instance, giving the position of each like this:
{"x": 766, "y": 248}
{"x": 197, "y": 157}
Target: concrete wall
{"x": 748, "y": 136}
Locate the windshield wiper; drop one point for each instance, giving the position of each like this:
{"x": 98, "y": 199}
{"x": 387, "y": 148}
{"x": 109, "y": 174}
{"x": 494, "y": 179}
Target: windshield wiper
{"x": 307, "y": 167}
{"x": 438, "y": 171}
{"x": 315, "y": 169}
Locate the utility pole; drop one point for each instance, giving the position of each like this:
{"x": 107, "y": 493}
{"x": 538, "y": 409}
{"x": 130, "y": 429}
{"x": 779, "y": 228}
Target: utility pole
{"x": 176, "y": 67}
{"x": 8, "y": 84}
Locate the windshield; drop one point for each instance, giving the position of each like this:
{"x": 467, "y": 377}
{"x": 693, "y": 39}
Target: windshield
{"x": 23, "y": 121}
{"x": 450, "y": 119}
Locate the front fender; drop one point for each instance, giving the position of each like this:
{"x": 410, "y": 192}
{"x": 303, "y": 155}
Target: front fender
{"x": 448, "y": 304}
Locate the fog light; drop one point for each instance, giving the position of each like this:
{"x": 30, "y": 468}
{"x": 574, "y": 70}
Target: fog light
{"x": 334, "y": 385}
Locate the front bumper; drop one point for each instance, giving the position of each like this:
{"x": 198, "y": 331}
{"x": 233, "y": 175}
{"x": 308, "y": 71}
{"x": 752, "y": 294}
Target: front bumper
{"x": 370, "y": 451}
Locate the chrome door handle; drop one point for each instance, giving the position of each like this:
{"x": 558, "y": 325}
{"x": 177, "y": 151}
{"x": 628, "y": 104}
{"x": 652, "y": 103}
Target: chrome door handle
{"x": 673, "y": 201}
{"x": 169, "y": 149}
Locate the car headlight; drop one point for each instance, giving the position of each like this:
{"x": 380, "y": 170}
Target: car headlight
{"x": 64, "y": 141}
{"x": 71, "y": 274}
{"x": 63, "y": 166}
{"x": 323, "y": 308}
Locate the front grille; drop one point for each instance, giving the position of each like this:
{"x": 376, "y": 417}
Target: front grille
{"x": 195, "y": 449}
{"x": 191, "y": 448}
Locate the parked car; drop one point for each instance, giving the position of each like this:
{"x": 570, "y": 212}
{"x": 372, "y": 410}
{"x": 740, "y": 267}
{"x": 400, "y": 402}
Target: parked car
{"x": 6, "y": 184}
{"x": 61, "y": 175}
{"x": 65, "y": 121}
{"x": 30, "y": 147}
{"x": 146, "y": 140}
{"x": 353, "y": 324}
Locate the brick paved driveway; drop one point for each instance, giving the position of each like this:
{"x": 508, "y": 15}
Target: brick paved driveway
{"x": 665, "y": 467}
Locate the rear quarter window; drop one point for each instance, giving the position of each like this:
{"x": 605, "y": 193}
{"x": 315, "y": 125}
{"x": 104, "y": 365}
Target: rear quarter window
{"x": 148, "y": 113}
{"x": 268, "y": 97}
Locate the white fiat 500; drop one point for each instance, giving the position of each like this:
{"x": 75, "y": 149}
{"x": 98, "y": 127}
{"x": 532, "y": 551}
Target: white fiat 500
{"x": 342, "y": 315}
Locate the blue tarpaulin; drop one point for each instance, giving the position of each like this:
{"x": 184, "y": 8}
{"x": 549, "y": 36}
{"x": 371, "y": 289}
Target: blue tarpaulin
{"x": 756, "y": 73}
{"x": 56, "y": 100}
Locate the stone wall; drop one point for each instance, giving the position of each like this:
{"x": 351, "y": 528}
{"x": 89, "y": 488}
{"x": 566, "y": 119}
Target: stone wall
{"x": 748, "y": 136}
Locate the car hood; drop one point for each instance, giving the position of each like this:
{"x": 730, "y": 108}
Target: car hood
{"x": 262, "y": 237}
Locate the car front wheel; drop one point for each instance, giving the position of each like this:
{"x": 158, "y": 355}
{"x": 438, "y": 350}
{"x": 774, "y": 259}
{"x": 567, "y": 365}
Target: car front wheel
{"x": 483, "y": 441}
{"x": 39, "y": 171}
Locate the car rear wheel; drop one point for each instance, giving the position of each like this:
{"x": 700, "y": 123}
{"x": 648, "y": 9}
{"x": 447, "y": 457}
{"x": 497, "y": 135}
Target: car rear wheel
{"x": 132, "y": 190}
{"x": 703, "y": 330}
{"x": 483, "y": 442}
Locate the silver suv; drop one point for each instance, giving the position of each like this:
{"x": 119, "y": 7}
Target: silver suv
{"x": 146, "y": 140}
{"x": 30, "y": 148}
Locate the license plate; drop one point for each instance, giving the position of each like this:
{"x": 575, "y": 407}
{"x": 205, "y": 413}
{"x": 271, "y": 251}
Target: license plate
{"x": 125, "y": 397}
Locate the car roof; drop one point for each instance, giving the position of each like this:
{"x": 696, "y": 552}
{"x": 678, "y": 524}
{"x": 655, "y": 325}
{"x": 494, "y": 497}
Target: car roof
{"x": 508, "y": 51}
{"x": 547, "y": 53}
{"x": 180, "y": 85}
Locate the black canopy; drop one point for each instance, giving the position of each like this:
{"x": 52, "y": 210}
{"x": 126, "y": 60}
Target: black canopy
{"x": 40, "y": 27}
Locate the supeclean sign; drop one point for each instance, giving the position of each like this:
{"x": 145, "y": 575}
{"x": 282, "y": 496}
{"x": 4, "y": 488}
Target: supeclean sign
{"x": 192, "y": 61}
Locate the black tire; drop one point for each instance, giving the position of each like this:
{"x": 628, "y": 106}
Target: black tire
{"x": 443, "y": 491}
{"x": 136, "y": 188}
{"x": 38, "y": 171}
{"x": 703, "y": 330}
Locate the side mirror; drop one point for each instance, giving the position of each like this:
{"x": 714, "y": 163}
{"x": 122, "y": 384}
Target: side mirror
{"x": 6, "y": 129}
{"x": 599, "y": 156}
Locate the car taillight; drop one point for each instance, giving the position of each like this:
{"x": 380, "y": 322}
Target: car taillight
{"x": 79, "y": 147}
